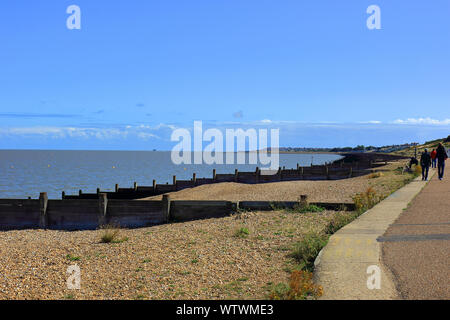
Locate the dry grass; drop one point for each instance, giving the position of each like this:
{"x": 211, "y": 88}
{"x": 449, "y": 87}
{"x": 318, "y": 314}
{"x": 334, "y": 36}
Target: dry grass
{"x": 375, "y": 175}
{"x": 301, "y": 287}
{"x": 111, "y": 234}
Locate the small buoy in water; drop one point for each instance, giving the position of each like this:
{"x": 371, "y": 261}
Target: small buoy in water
{"x": 48, "y": 166}
{"x": 113, "y": 167}
{"x": 184, "y": 168}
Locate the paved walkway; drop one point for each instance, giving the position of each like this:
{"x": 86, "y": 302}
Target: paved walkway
{"x": 416, "y": 248}
{"x": 353, "y": 254}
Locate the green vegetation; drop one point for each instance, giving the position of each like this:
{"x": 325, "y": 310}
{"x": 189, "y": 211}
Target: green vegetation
{"x": 242, "y": 232}
{"x": 366, "y": 200}
{"x": 72, "y": 258}
{"x": 301, "y": 287}
{"x": 308, "y": 208}
{"x": 339, "y": 220}
{"x": 305, "y": 251}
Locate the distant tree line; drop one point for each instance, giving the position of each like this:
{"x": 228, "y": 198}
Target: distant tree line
{"x": 358, "y": 148}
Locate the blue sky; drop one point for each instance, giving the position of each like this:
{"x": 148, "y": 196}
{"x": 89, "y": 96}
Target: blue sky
{"x": 138, "y": 69}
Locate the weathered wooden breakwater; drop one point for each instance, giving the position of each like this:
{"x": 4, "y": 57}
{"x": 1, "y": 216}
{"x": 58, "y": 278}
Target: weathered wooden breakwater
{"x": 352, "y": 165}
{"x": 82, "y": 214}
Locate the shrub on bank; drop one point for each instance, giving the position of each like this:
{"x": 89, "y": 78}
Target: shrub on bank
{"x": 339, "y": 220}
{"x": 306, "y": 251}
{"x": 301, "y": 287}
{"x": 366, "y": 200}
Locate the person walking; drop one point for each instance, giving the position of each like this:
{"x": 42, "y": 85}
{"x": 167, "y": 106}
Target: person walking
{"x": 425, "y": 162}
{"x": 433, "y": 158}
{"x": 441, "y": 155}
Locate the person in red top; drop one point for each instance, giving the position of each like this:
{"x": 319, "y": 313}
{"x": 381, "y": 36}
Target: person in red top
{"x": 433, "y": 155}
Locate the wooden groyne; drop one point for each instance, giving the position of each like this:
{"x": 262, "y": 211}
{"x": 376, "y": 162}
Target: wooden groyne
{"x": 351, "y": 165}
{"x": 86, "y": 214}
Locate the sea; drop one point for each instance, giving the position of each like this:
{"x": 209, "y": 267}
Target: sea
{"x": 26, "y": 173}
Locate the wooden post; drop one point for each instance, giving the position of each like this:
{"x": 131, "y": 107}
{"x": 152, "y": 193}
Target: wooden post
{"x": 43, "y": 219}
{"x": 166, "y": 206}
{"x": 236, "y": 174}
{"x": 117, "y": 188}
{"x": 154, "y": 185}
{"x": 98, "y": 190}
{"x": 351, "y": 172}
{"x": 214, "y": 175}
{"x": 174, "y": 181}
{"x": 80, "y": 192}
{"x": 298, "y": 166}
{"x": 280, "y": 176}
{"x": 135, "y": 186}
{"x": 102, "y": 208}
{"x": 257, "y": 173}
{"x": 303, "y": 200}
{"x": 63, "y": 195}
{"x": 302, "y": 173}
{"x": 194, "y": 178}
{"x": 327, "y": 172}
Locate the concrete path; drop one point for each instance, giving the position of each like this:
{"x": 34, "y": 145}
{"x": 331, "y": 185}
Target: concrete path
{"x": 416, "y": 248}
{"x": 350, "y": 266}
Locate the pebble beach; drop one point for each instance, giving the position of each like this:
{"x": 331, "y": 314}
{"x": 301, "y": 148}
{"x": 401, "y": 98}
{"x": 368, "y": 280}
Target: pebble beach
{"x": 201, "y": 259}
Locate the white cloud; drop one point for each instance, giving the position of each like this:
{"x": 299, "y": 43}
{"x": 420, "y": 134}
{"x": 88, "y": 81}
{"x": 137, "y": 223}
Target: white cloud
{"x": 146, "y": 136}
{"x": 371, "y": 122}
{"x": 423, "y": 121}
{"x": 142, "y": 132}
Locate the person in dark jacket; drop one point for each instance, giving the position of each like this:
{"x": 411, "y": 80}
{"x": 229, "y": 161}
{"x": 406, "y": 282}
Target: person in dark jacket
{"x": 425, "y": 162}
{"x": 441, "y": 155}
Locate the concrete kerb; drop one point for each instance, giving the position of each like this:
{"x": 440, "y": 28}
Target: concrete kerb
{"x": 341, "y": 267}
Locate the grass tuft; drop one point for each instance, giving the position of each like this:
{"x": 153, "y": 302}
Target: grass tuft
{"x": 242, "y": 233}
{"x": 301, "y": 287}
{"x": 72, "y": 258}
{"x": 339, "y": 220}
{"x": 375, "y": 175}
{"x": 366, "y": 200}
{"x": 307, "y": 209}
{"x": 111, "y": 234}
{"x": 306, "y": 251}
